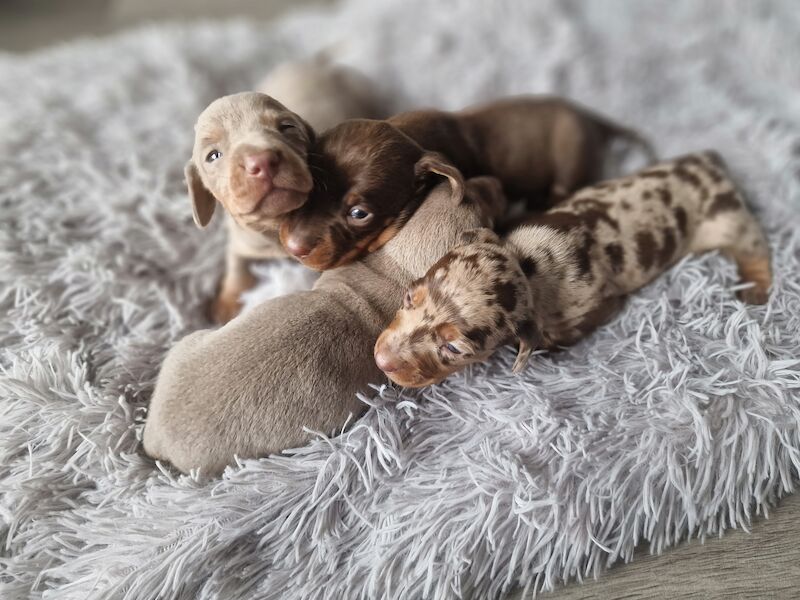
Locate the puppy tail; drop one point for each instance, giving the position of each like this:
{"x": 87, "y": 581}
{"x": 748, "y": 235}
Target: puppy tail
{"x": 634, "y": 137}
{"x": 626, "y": 149}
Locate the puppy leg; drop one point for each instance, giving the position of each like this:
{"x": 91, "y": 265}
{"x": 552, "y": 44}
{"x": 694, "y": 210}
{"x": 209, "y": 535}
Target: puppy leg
{"x": 751, "y": 253}
{"x": 736, "y": 232}
{"x": 583, "y": 321}
{"x": 755, "y": 269}
{"x": 237, "y": 280}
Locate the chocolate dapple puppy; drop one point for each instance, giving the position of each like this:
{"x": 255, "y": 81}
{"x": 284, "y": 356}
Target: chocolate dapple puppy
{"x": 250, "y": 155}
{"x": 249, "y": 388}
{"x": 369, "y": 176}
{"x": 567, "y": 271}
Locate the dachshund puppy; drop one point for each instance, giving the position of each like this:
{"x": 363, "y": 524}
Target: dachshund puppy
{"x": 250, "y": 155}
{"x": 567, "y": 271}
{"x": 369, "y": 176}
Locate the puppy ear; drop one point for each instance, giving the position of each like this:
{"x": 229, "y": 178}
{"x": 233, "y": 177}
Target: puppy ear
{"x": 433, "y": 162}
{"x": 481, "y": 235}
{"x": 203, "y": 203}
{"x": 529, "y": 340}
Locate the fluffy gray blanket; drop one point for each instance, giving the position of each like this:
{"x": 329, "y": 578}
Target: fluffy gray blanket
{"x": 678, "y": 419}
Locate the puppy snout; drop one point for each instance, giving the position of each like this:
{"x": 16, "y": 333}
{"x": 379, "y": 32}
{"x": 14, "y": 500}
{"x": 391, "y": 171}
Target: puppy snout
{"x": 262, "y": 165}
{"x": 298, "y": 246}
{"x": 386, "y": 361}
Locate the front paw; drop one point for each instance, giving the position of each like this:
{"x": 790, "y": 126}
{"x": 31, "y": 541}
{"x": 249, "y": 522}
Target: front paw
{"x": 224, "y": 308}
{"x": 757, "y": 294}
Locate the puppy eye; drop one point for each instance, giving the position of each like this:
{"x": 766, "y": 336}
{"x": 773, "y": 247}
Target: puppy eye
{"x": 407, "y": 300}
{"x": 287, "y": 126}
{"x": 213, "y": 155}
{"x": 451, "y": 348}
{"x": 358, "y": 213}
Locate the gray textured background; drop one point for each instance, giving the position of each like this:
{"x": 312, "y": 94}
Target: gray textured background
{"x": 476, "y": 486}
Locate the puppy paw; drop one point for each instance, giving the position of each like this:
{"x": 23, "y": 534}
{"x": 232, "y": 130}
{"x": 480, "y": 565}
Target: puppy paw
{"x": 755, "y": 269}
{"x": 754, "y": 295}
{"x": 224, "y": 308}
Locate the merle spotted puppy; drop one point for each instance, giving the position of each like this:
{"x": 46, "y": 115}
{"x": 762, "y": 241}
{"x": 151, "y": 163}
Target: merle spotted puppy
{"x": 567, "y": 271}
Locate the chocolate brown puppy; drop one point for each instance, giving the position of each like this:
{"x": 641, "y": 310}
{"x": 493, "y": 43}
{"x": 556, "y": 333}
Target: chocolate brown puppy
{"x": 369, "y": 176}
{"x": 567, "y": 271}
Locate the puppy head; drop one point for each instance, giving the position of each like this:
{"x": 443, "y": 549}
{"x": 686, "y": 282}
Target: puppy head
{"x": 250, "y": 154}
{"x": 369, "y": 178}
{"x": 473, "y": 300}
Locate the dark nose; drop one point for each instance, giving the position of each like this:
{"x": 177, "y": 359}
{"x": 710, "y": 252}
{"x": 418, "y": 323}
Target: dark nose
{"x": 262, "y": 164}
{"x": 298, "y": 246}
{"x": 386, "y": 361}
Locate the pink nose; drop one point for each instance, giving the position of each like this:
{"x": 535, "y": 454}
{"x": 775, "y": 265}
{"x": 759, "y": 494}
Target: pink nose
{"x": 297, "y": 246}
{"x": 262, "y": 165}
{"x": 385, "y": 361}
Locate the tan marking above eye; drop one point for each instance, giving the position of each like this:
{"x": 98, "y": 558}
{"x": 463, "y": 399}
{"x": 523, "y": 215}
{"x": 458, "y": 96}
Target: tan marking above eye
{"x": 418, "y": 295}
{"x": 448, "y": 332}
{"x": 351, "y": 199}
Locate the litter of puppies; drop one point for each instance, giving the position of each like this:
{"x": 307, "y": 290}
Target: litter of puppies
{"x": 404, "y": 214}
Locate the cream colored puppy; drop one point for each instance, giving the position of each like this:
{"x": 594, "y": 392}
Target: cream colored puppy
{"x": 250, "y": 154}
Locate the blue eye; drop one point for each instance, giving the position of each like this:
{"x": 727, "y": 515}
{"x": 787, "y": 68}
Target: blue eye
{"x": 451, "y": 348}
{"x": 213, "y": 155}
{"x": 358, "y": 213}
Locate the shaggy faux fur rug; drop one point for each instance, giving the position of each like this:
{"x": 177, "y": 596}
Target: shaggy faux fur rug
{"x": 678, "y": 419}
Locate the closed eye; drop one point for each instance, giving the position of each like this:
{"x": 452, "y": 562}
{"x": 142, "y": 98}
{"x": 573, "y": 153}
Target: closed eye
{"x": 286, "y": 126}
{"x": 407, "y": 301}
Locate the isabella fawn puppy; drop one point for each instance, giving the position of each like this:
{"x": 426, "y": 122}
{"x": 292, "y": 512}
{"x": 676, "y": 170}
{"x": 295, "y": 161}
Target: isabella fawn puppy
{"x": 250, "y": 155}
{"x": 369, "y": 176}
{"x": 249, "y": 388}
{"x": 567, "y": 271}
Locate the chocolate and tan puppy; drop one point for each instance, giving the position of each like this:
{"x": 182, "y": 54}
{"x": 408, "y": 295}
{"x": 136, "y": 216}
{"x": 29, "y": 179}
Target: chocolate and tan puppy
{"x": 369, "y": 176}
{"x": 567, "y": 271}
{"x": 249, "y": 388}
{"x": 250, "y": 154}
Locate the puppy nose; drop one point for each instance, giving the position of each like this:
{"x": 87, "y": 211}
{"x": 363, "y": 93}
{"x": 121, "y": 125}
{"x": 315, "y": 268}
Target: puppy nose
{"x": 385, "y": 361}
{"x": 298, "y": 246}
{"x": 262, "y": 164}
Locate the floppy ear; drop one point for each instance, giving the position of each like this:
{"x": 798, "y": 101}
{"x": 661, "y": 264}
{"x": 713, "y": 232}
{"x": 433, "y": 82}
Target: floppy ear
{"x": 529, "y": 339}
{"x": 433, "y": 162}
{"x": 203, "y": 203}
{"x": 478, "y": 236}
